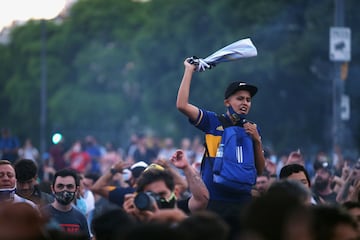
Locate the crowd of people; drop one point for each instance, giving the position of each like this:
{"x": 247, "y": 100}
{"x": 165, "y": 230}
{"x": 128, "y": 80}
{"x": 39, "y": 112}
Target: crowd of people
{"x": 101, "y": 200}
{"x": 156, "y": 188}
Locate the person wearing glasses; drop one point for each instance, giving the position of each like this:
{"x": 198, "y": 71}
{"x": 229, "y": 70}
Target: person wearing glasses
{"x": 154, "y": 198}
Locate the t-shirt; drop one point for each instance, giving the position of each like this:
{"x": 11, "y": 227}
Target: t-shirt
{"x": 72, "y": 221}
{"x": 79, "y": 161}
{"x": 330, "y": 198}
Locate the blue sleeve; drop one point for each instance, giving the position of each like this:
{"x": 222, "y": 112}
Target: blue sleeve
{"x": 206, "y": 120}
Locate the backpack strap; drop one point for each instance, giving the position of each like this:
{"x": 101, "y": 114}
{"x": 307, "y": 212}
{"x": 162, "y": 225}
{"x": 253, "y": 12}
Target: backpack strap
{"x": 206, "y": 154}
{"x": 225, "y": 121}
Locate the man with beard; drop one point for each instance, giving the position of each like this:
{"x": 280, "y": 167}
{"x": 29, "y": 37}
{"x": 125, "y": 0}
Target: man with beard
{"x": 65, "y": 184}
{"x": 322, "y": 189}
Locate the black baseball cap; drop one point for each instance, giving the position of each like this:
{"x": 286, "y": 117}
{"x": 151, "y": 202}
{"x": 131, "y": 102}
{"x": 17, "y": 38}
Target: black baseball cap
{"x": 236, "y": 86}
{"x": 323, "y": 165}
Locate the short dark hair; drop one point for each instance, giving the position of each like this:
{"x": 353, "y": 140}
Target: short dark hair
{"x": 291, "y": 187}
{"x": 92, "y": 175}
{"x": 289, "y": 169}
{"x": 111, "y": 223}
{"x": 153, "y": 175}
{"x": 327, "y": 217}
{"x": 67, "y": 172}
{"x": 265, "y": 173}
{"x": 205, "y": 225}
{"x": 25, "y": 169}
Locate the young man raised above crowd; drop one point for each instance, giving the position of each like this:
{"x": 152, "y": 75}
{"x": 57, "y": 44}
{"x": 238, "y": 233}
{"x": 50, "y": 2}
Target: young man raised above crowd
{"x": 238, "y": 101}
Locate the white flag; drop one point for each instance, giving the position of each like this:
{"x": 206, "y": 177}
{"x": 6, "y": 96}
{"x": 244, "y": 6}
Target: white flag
{"x": 243, "y": 48}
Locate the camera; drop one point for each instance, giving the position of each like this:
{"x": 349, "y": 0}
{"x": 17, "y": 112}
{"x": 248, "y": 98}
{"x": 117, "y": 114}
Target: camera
{"x": 146, "y": 200}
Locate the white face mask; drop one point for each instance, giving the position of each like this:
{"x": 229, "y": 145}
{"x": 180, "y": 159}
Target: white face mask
{"x": 7, "y": 194}
{"x": 77, "y": 148}
{"x": 126, "y": 174}
{"x": 273, "y": 159}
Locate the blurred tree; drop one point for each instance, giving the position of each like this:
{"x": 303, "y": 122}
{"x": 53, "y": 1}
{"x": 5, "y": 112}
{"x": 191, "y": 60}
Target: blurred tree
{"x": 114, "y": 68}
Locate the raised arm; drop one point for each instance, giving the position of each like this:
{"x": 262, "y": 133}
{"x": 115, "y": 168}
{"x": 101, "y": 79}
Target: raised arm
{"x": 100, "y": 186}
{"x": 182, "y": 102}
{"x": 199, "y": 193}
{"x": 181, "y": 183}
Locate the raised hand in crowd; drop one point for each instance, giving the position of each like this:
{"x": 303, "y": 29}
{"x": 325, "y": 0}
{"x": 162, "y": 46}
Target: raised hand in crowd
{"x": 200, "y": 194}
{"x": 339, "y": 181}
{"x": 179, "y": 160}
{"x": 351, "y": 186}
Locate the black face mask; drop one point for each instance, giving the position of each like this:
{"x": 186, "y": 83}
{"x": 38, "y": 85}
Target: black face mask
{"x": 167, "y": 203}
{"x": 64, "y": 197}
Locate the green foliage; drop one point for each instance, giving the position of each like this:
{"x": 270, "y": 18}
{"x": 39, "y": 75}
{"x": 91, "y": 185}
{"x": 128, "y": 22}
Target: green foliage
{"x": 114, "y": 67}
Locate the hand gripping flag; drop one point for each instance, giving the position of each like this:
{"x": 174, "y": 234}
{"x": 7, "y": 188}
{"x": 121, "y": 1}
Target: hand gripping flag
{"x": 243, "y": 48}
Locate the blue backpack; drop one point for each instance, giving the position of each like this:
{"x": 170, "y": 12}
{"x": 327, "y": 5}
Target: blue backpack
{"x": 234, "y": 164}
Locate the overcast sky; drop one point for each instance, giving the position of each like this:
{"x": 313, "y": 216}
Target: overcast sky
{"x": 11, "y": 10}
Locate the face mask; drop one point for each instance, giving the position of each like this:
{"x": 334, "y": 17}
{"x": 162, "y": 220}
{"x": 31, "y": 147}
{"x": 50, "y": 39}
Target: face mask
{"x": 273, "y": 159}
{"x": 7, "y": 194}
{"x": 237, "y": 117}
{"x": 167, "y": 203}
{"x": 77, "y": 148}
{"x": 126, "y": 174}
{"x": 64, "y": 197}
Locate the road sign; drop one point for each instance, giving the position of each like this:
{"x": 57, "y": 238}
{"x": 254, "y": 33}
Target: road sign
{"x": 340, "y": 44}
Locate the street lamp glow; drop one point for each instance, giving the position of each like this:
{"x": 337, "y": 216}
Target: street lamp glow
{"x": 56, "y": 138}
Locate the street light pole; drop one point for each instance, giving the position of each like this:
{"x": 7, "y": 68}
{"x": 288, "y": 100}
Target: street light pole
{"x": 43, "y": 92}
{"x": 338, "y": 85}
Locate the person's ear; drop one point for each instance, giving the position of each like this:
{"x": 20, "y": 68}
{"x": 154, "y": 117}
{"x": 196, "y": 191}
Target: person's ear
{"x": 178, "y": 191}
{"x": 226, "y": 103}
